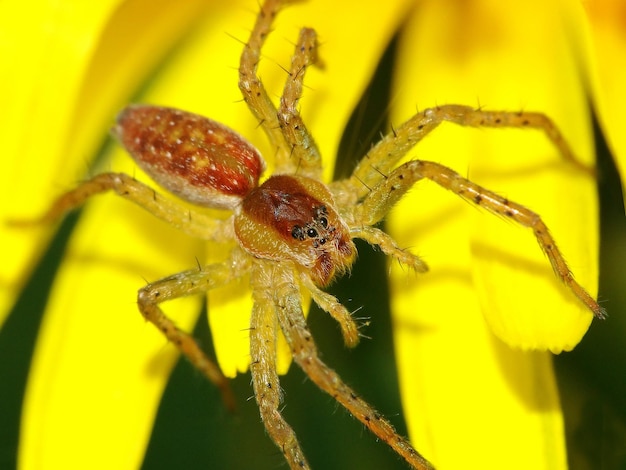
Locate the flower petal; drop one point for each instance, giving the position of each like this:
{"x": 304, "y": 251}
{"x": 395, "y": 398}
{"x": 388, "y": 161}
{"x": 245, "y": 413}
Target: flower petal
{"x": 97, "y": 361}
{"x": 35, "y": 39}
{"x": 69, "y": 68}
{"x": 607, "y": 64}
{"x": 501, "y": 57}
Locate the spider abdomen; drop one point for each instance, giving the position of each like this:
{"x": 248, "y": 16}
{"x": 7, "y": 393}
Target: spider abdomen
{"x": 196, "y": 158}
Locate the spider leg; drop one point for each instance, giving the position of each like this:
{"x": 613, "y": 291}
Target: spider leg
{"x": 330, "y": 304}
{"x": 303, "y": 147}
{"x": 195, "y": 281}
{"x": 284, "y": 126}
{"x": 263, "y": 334}
{"x": 293, "y": 324}
{"x": 380, "y": 200}
{"x": 252, "y": 89}
{"x": 380, "y": 160}
{"x": 193, "y": 223}
{"x": 388, "y": 245}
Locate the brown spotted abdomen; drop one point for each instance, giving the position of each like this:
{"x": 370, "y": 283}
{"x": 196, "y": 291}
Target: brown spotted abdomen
{"x": 197, "y": 159}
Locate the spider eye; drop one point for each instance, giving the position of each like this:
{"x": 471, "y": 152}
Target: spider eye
{"x": 311, "y": 233}
{"x": 323, "y": 221}
{"x": 297, "y": 232}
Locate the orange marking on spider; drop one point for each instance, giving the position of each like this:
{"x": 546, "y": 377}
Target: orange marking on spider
{"x": 293, "y": 232}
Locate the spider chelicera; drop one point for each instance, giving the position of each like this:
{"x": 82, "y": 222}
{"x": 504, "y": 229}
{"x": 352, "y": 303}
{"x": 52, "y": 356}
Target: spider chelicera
{"x": 293, "y": 232}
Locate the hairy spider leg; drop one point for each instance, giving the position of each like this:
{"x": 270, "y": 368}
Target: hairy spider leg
{"x": 283, "y": 126}
{"x": 380, "y": 200}
{"x": 252, "y": 89}
{"x": 330, "y": 304}
{"x": 287, "y": 299}
{"x": 194, "y": 223}
{"x": 192, "y": 282}
{"x": 388, "y": 245}
{"x": 265, "y": 381}
{"x": 383, "y": 157}
{"x": 303, "y": 147}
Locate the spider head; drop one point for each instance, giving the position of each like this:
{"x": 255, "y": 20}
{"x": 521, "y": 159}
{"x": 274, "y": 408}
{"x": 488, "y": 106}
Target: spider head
{"x": 294, "y": 218}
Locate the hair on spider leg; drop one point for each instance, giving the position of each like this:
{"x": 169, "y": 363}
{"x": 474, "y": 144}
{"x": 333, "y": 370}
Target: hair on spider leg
{"x": 417, "y": 267}
{"x": 362, "y": 323}
{"x": 364, "y": 184}
{"x": 282, "y": 67}
{"x": 379, "y": 171}
{"x": 393, "y": 131}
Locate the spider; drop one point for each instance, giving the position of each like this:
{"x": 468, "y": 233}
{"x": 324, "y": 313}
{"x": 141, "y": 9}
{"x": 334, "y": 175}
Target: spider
{"x": 293, "y": 233}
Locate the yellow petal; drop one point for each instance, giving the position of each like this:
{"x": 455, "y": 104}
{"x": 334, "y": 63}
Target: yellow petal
{"x": 36, "y": 39}
{"x": 69, "y": 70}
{"x": 466, "y": 394}
{"x": 607, "y": 61}
{"x": 97, "y": 361}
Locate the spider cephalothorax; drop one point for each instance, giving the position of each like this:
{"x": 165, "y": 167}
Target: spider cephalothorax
{"x": 292, "y": 233}
{"x": 293, "y": 218}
